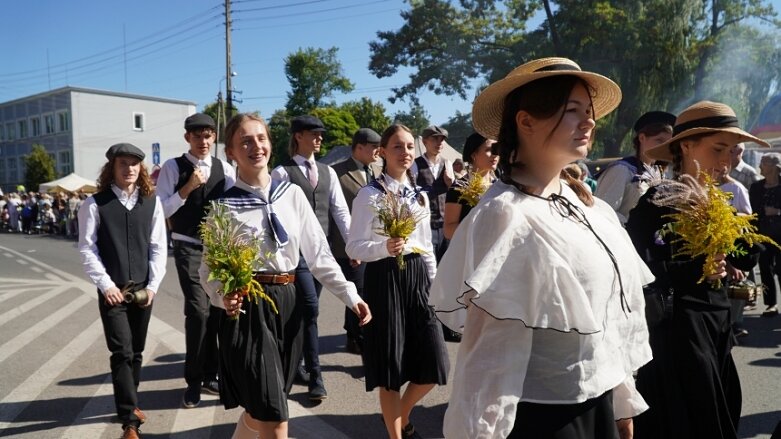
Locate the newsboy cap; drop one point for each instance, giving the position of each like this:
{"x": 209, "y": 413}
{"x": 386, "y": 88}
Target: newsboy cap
{"x": 306, "y": 123}
{"x": 125, "y": 149}
{"x": 199, "y": 120}
{"x": 433, "y": 130}
{"x": 365, "y": 135}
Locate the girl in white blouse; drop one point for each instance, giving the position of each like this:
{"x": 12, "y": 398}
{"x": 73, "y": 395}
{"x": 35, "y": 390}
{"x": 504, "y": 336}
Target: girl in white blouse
{"x": 404, "y": 342}
{"x": 257, "y": 351}
{"x": 541, "y": 277}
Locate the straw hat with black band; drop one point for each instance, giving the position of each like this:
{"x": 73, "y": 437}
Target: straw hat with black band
{"x": 704, "y": 117}
{"x": 489, "y": 105}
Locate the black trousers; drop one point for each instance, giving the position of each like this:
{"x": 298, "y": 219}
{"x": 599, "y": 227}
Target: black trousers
{"x": 201, "y": 320}
{"x": 769, "y": 267}
{"x": 354, "y": 275}
{"x": 125, "y": 327}
{"x": 308, "y": 300}
{"x": 438, "y": 242}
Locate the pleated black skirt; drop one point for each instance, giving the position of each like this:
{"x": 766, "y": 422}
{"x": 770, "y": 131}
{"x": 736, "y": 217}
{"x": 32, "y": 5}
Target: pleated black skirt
{"x": 403, "y": 342}
{"x": 591, "y": 419}
{"x": 257, "y": 353}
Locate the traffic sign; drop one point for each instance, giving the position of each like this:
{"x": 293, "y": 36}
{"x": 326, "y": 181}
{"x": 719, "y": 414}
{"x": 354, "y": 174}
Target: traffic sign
{"x": 155, "y": 157}
{"x": 156, "y": 148}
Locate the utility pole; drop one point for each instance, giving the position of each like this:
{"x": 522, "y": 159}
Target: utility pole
{"x": 228, "y": 85}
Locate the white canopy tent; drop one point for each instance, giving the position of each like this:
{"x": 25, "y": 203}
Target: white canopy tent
{"x": 69, "y": 183}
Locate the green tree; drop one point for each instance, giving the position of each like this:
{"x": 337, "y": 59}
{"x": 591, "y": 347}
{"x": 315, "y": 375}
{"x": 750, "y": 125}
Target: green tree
{"x": 314, "y": 76}
{"x": 279, "y": 130}
{"x": 216, "y": 110}
{"x": 368, "y": 114}
{"x": 458, "y": 127}
{"x": 340, "y": 127}
{"x": 39, "y": 167}
{"x": 415, "y": 119}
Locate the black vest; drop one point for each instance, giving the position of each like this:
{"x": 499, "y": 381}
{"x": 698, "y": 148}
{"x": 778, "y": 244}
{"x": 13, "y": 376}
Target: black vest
{"x": 319, "y": 197}
{"x": 436, "y": 189}
{"x": 188, "y": 218}
{"x": 124, "y": 236}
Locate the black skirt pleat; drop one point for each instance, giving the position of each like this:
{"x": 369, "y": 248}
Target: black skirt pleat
{"x": 257, "y": 353}
{"x": 403, "y": 342}
{"x": 591, "y": 419}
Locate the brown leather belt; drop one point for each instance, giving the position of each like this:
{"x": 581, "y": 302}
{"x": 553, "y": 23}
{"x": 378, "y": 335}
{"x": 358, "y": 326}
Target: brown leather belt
{"x": 275, "y": 279}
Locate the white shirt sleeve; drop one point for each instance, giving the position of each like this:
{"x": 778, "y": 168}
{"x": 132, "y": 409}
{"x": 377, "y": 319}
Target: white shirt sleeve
{"x": 230, "y": 174}
{"x": 740, "y": 199}
{"x": 627, "y": 401}
{"x": 89, "y": 221}
{"x": 340, "y": 212}
{"x": 425, "y": 231}
{"x": 158, "y": 248}
{"x": 361, "y": 243}
{"x": 611, "y": 186}
{"x": 280, "y": 173}
{"x": 166, "y": 182}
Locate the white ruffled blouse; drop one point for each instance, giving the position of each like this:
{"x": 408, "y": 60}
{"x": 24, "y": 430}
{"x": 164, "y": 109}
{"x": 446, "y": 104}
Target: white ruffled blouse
{"x": 538, "y": 301}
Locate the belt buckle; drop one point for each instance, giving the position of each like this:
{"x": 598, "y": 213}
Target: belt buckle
{"x": 283, "y": 276}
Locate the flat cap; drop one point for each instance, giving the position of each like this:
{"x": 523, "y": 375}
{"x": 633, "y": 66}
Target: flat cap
{"x": 433, "y": 130}
{"x": 654, "y": 117}
{"x": 199, "y": 120}
{"x": 125, "y": 149}
{"x": 306, "y": 123}
{"x": 366, "y": 135}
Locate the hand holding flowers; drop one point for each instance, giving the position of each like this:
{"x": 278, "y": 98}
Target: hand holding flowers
{"x": 397, "y": 221}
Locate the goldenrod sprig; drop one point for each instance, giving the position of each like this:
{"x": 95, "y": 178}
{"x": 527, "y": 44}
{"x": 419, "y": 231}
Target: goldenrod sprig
{"x": 474, "y": 188}
{"x": 397, "y": 219}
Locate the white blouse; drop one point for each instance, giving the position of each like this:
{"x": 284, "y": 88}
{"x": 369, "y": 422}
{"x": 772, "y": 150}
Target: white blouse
{"x": 538, "y": 301}
{"x": 305, "y": 236}
{"x": 366, "y": 244}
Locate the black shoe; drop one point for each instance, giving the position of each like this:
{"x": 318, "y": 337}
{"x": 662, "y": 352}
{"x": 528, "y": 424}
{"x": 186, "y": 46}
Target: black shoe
{"x": 192, "y": 397}
{"x": 408, "y": 432}
{"x": 739, "y": 332}
{"x": 211, "y": 387}
{"x": 317, "y": 389}
{"x": 450, "y": 335}
{"x": 354, "y": 346}
{"x": 302, "y": 376}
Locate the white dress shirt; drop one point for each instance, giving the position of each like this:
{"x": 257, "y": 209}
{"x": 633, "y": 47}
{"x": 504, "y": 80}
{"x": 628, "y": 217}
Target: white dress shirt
{"x": 338, "y": 205}
{"x": 169, "y": 176}
{"x": 305, "y": 237}
{"x": 436, "y": 167}
{"x": 739, "y": 199}
{"x": 366, "y": 244}
{"x": 89, "y": 222}
{"x": 516, "y": 266}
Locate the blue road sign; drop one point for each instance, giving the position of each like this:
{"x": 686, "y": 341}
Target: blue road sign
{"x": 156, "y": 148}
{"x": 155, "y": 157}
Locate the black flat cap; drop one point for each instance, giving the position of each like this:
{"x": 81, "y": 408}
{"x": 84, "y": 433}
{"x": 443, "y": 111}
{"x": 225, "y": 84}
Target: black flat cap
{"x": 653, "y": 117}
{"x": 365, "y": 135}
{"x": 433, "y": 130}
{"x": 306, "y": 123}
{"x": 125, "y": 149}
{"x": 199, "y": 120}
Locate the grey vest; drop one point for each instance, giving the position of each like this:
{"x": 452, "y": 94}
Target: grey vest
{"x": 320, "y": 197}
{"x": 436, "y": 190}
{"x": 187, "y": 219}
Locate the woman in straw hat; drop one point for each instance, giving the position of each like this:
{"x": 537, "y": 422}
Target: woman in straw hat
{"x": 765, "y": 198}
{"x": 541, "y": 259}
{"x": 692, "y": 384}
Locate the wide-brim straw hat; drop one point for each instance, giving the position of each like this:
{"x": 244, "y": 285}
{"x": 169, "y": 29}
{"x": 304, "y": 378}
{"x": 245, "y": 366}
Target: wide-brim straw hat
{"x": 489, "y": 105}
{"x": 704, "y": 117}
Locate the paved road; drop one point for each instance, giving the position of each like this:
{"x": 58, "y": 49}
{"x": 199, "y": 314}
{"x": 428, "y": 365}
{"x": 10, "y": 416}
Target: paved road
{"x": 54, "y": 380}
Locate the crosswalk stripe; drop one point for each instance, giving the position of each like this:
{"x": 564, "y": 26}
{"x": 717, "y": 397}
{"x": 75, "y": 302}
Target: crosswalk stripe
{"x": 29, "y": 304}
{"x": 82, "y": 427}
{"x": 34, "y": 385}
{"x": 29, "y": 335}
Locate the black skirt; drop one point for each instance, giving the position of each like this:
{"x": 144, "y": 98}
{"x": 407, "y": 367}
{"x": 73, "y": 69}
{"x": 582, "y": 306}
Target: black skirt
{"x": 257, "y": 353}
{"x": 591, "y": 419}
{"x": 403, "y": 342}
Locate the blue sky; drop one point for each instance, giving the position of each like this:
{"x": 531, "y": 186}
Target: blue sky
{"x": 176, "y": 48}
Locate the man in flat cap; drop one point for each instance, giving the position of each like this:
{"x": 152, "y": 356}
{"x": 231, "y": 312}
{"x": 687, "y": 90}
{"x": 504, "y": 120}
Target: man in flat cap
{"x": 321, "y": 187}
{"x": 354, "y": 173}
{"x": 186, "y": 185}
{"x": 123, "y": 249}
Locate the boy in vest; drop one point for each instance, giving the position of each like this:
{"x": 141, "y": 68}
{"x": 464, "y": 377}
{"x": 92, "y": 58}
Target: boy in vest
{"x": 123, "y": 248}
{"x": 321, "y": 187}
{"x": 185, "y": 185}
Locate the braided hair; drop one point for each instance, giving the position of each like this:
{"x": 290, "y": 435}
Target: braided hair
{"x": 384, "y": 139}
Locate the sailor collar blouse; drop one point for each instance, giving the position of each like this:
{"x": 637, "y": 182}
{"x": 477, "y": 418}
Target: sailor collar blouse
{"x": 516, "y": 265}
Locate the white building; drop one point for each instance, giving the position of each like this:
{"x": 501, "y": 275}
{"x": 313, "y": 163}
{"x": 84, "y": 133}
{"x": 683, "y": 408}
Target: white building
{"x": 77, "y": 125}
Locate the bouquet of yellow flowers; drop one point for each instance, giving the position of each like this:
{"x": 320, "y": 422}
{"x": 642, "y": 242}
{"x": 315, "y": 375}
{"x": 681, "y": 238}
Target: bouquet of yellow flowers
{"x": 232, "y": 256}
{"x": 474, "y": 188}
{"x": 397, "y": 219}
{"x": 705, "y": 224}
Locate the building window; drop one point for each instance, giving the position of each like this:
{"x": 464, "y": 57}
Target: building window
{"x": 12, "y": 174}
{"x": 63, "y": 121}
{"x": 10, "y": 130}
{"x": 36, "y": 124}
{"x": 22, "y": 129}
{"x": 2, "y": 171}
{"x": 2, "y": 132}
{"x": 138, "y": 121}
{"x": 65, "y": 162}
{"x": 48, "y": 123}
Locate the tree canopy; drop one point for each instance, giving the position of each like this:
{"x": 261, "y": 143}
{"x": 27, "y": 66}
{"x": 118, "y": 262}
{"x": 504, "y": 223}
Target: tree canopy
{"x": 39, "y": 167}
{"x": 314, "y": 76}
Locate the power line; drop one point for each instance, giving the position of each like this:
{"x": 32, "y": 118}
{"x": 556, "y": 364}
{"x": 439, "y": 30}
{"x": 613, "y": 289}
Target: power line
{"x": 325, "y": 20}
{"x": 266, "y": 8}
{"x": 298, "y": 14}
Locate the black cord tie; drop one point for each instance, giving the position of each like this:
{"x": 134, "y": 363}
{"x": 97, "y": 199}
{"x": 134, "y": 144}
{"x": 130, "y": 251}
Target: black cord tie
{"x": 566, "y": 209}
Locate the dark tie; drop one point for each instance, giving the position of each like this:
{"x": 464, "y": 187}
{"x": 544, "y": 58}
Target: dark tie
{"x": 311, "y": 173}
{"x": 368, "y": 172}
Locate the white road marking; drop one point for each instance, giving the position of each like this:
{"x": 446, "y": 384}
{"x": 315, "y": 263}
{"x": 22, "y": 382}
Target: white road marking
{"x": 29, "y": 304}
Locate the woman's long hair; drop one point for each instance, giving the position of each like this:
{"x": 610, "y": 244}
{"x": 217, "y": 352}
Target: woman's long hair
{"x": 385, "y": 138}
{"x": 542, "y": 99}
{"x": 144, "y": 182}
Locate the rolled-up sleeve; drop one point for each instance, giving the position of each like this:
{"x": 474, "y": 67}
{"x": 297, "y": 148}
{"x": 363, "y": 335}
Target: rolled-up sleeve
{"x": 627, "y": 401}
